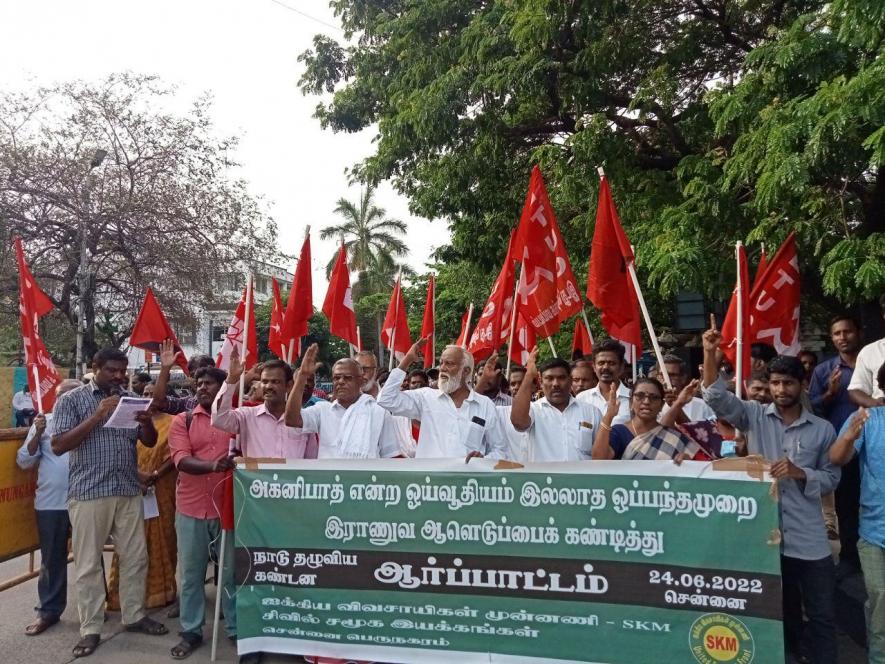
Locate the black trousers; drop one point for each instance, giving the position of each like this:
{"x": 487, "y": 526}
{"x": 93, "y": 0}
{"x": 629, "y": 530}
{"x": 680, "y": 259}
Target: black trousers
{"x": 52, "y": 584}
{"x": 810, "y": 584}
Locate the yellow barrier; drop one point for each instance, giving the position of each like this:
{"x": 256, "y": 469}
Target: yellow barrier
{"x": 18, "y": 524}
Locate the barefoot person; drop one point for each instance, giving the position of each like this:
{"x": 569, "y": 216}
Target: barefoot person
{"x": 104, "y": 497}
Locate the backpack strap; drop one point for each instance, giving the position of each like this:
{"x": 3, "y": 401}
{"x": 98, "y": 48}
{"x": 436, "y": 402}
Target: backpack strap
{"x": 188, "y": 418}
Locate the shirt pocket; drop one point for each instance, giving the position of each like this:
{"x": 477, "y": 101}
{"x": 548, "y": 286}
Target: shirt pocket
{"x": 584, "y": 438}
{"x": 474, "y": 438}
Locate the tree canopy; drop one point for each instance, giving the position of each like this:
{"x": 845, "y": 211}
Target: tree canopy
{"x": 715, "y": 121}
{"x": 162, "y": 208}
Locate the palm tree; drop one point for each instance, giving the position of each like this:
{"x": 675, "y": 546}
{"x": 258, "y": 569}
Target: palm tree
{"x": 373, "y": 243}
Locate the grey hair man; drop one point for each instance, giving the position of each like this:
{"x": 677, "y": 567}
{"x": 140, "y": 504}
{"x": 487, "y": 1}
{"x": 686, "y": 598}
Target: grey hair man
{"x": 455, "y": 420}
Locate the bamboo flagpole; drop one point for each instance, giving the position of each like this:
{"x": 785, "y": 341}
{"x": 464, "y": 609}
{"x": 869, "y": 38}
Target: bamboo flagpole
{"x": 648, "y": 324}
{"x": 467, "y": 328}
{"x": 37, "y": 388}
{"x": 513, "y": 312}
{"x": 739, "y": 297}
{"x": 231, "y": 447}
{"x": 587, "y": 325}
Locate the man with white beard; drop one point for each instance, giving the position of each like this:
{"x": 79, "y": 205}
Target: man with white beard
{"x": 401, "y": 425}
{"x": 455, "y": 420}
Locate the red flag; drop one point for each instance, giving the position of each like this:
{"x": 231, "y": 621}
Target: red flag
{"x": 32, "y": 304}
{"x": 524, "y": 339}
{"x": 581, "y": 342}
{"x": 464, "y": 334}
{"x": 275, "y": 333}
{"x": 299, "y": 308}
{"x": 234, "y": 337}
{"x": 550, "y": 293}
{"x": 493, "y": 324}
{"x": 428, "y": 325}
{"x": 151, "y": 329}
{"x": 338, "y": 305}
{"x": 774, "y": 301}
{"x": 760, "y": 269}
{"x": 730, "y": 324}
{"x": 395, "y": 330}
{"x": 609, "y": 286}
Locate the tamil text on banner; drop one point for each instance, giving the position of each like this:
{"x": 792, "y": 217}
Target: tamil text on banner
{"x": 427, "y": 561}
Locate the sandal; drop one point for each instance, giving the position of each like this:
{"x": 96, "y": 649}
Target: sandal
{"x": 148, "y": 626}
{"x": 40, "y": 625}
{"x": 87, "y": 645}
{"x": 188, "y": 643}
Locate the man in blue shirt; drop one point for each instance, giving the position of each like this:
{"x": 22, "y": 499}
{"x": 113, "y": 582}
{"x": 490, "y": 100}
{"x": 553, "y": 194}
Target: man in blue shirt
{"x": 828, "y": 392}
{"x": 797, "y": 444}
{"x": 863, "y": 436}
{"x": 53, "y": 524}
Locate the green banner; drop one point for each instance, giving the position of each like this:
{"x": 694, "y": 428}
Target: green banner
{"x": 437, "y": 561}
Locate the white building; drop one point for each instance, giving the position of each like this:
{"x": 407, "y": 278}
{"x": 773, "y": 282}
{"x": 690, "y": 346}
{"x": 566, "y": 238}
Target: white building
{"x": 206, "y": 337}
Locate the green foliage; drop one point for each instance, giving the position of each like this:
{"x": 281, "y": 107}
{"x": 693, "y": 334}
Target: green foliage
{"x": 714, "y": 121}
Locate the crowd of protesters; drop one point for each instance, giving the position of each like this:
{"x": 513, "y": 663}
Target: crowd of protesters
{"x": 814, "y": 423}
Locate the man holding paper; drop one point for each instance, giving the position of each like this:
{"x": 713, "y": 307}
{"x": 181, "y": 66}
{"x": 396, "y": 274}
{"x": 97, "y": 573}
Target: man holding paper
{"x": 104, "y": 496}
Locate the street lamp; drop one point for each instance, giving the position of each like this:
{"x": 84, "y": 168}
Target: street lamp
{"x": 83, "y": 271}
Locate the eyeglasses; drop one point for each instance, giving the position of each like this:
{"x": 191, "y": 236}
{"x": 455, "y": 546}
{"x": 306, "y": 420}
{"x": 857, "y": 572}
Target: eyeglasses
{"x": 647, "y": 396}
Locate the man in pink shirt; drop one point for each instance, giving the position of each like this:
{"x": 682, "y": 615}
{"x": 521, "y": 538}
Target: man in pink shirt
{"x": 200, "y": 453}
{"x": 262, "y": 429}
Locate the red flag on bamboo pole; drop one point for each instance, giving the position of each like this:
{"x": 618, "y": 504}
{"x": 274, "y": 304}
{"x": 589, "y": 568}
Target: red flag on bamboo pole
{"x": 428, "y": 324}
{"x": 299, "y": 307}
{"x": 464, "y": 334}
{"x": 609, "y": 286}
{"x": 151, "y": 329}
{"x": 493, "y": 324}
{"x": 395, "y": 333}
{"x": 739, "y": 307}
{"x": 581, "y": 342}
{"x": 549, "y": 293}
{"x": 524, "y": 339}
{"x": 275, "y": 334}
{"x": 33, "y": 303}
{"x": 774, "y": 301}
{"x": 235, "y": 332}
{"x": 760, "y": 268}
{"x": 338, "y": 305}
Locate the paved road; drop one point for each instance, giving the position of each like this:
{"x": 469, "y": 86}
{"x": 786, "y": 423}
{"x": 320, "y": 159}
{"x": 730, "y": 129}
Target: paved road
{"x": 118, "y": 647}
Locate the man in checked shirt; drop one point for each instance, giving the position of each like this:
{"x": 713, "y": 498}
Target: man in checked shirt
{"x": 104, "y": 497}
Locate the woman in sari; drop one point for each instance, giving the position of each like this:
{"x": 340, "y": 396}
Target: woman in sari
{"x": 642, "y": 437}
{"x": 156, "y": 473}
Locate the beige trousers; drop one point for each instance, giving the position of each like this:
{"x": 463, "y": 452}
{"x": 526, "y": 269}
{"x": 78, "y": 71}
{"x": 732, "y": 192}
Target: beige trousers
{"x": 92, "y": 521}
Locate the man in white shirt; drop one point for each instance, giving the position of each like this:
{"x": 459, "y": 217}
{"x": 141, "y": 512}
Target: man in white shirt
{"x": 608, "y": 363}
{"x": 695, "y": 410}
{"x": 560, "y": 427}
{"x": 23, "y": 407}
{"x": 353, "y": 426}
{"x": 455, "y": 420}
{"x": 863, "y": 388}
{"x": 402, "y": 425}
